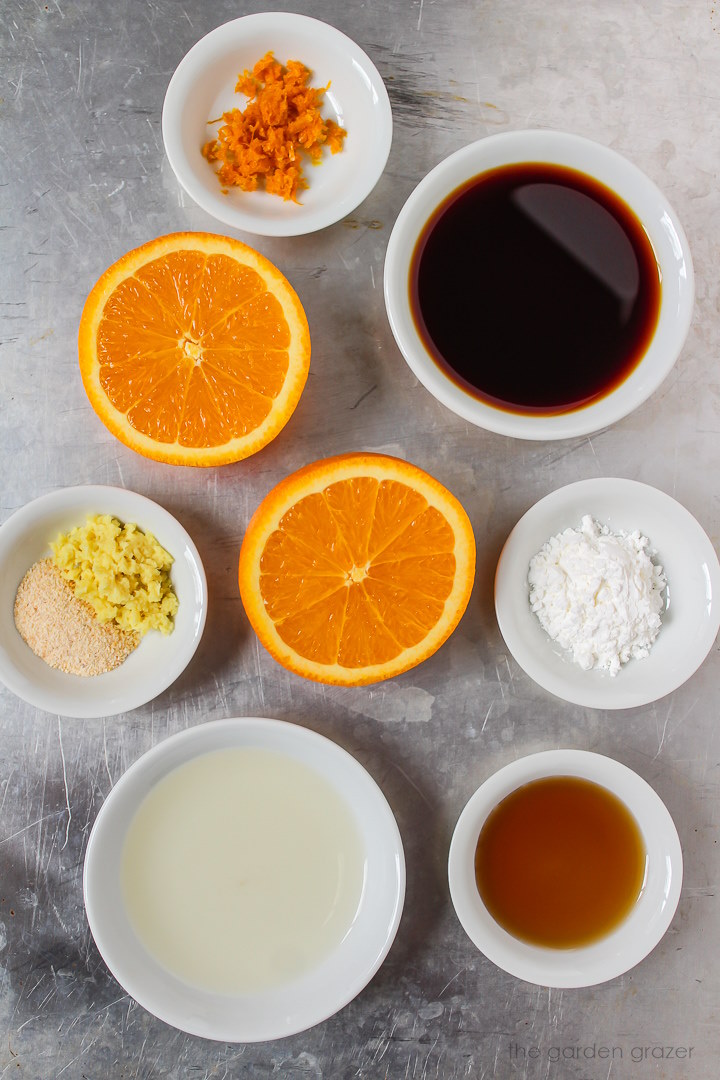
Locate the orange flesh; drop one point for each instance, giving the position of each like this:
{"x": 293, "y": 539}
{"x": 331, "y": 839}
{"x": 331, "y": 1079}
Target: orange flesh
{"x": 357, "y": 573}
{"x": 193, "y": 349}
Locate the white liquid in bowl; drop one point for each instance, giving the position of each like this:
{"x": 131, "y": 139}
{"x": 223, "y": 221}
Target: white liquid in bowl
{"x": 242, "y": 869}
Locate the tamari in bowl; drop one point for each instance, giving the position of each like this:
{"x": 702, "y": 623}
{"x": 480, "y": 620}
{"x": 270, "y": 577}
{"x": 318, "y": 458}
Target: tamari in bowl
{"x": 572, "y": 256}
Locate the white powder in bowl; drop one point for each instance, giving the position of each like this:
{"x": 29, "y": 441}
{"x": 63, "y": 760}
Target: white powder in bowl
{"x": 598, "y": 594}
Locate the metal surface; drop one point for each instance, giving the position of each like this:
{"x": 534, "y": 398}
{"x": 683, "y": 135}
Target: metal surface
{"x": 83, "y": 179}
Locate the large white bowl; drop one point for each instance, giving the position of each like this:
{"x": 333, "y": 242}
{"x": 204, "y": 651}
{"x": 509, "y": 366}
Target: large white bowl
{"x": 203, "y": 87}
{"x": 637, "y": 191}
{"x": 691, "y": 618}
{"x": 158, "y": 660}
{"x": 291, "y": 1007}
{"x": 636, "y": 936}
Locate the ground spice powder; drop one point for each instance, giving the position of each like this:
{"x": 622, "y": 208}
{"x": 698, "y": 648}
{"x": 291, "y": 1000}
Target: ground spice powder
{"x": 63, "y": 630}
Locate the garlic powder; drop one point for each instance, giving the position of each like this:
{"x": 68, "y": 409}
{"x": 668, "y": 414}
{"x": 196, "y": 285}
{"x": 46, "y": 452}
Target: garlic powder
{"x": 598, "y": 594}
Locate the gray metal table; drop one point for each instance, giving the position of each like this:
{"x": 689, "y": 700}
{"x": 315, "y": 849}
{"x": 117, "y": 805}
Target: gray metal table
{"x": 83, "y": 179}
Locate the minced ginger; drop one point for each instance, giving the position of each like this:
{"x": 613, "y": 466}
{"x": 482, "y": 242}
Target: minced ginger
{"x": 122, "y": 572}
{"x": 266, "y": 140}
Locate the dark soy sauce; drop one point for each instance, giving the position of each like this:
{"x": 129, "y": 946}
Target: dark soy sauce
{"x": 535, "y": 288}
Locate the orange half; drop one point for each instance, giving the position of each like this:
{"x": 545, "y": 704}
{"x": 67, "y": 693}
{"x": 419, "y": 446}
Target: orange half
{"x": 356, "y": 568}
{"x": 194, "y": 349}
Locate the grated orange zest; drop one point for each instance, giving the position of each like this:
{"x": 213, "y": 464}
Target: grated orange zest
{"x": 281, "y": 122}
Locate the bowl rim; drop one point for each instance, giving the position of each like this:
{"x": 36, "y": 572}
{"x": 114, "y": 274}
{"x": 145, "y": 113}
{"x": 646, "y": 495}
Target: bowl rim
{"x": 202, "y": 1012}
{"x": 613, "y": 954}
{"x": 127, "y": 505}
{"x": 530, "y": 645}
{"x": 564, "y": 148}
{"x": 370, "y": 167}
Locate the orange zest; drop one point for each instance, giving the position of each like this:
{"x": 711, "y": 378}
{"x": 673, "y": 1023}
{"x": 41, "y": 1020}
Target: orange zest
{"x": 194, "y": 349}
{"x": 265, "y": 142}
{"x": 356, "y": 568}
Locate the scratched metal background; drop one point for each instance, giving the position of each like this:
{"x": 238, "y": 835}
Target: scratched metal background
{"x": 83, "y": 179}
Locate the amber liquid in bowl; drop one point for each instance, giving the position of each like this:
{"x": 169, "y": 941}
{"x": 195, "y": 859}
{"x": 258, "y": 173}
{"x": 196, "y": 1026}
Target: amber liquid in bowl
{"x": 560, "y": 862}
{"x": 535, "y": 288}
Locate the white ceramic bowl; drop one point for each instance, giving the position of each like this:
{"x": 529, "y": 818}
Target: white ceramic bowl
{"x": 291, "y": 1007}
{"x": 158, "y": 660}
{"x": 691, "y": 617}
{"x": 637, "y": 191}
{"x": 636, "y": 936}
{"x": 203, "y": 87}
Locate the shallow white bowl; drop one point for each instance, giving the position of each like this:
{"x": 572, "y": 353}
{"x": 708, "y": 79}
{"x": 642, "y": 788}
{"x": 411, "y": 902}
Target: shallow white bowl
{"x": 637, "y": 191}
{"x": 282, "y": 1010}
{"x": 203, "y": 87}
{"x": 691, "y": 618}
{"x": 641, "y": 930}
{"x": 158, "y": 660}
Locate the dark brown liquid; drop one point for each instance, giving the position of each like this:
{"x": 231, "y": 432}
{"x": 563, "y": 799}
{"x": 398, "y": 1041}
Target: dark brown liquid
{"x": 560, "y": 862}
{"x": 535, "y": 288}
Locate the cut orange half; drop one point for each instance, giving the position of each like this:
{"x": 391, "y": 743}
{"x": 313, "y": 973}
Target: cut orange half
{"x": 194, "y": 349}
{"x": 356, "y": 568}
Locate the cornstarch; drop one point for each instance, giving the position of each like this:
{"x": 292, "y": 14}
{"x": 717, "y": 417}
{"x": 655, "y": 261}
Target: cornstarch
{"x": 598, "y": 594}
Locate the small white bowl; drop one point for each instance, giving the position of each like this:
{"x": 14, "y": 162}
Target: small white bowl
{"x": 203, "y": 87}
{"x": 691, "y": 618}
{"x": 158, "y": 660}
{"x": 278, "y": 1011}
{"x": 636, "y": 936}
{"x": 636, "y": 190}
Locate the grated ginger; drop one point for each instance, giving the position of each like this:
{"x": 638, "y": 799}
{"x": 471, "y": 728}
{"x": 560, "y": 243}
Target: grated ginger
{"x": 122, "y": 572}
{"x": 280, "y": 122}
